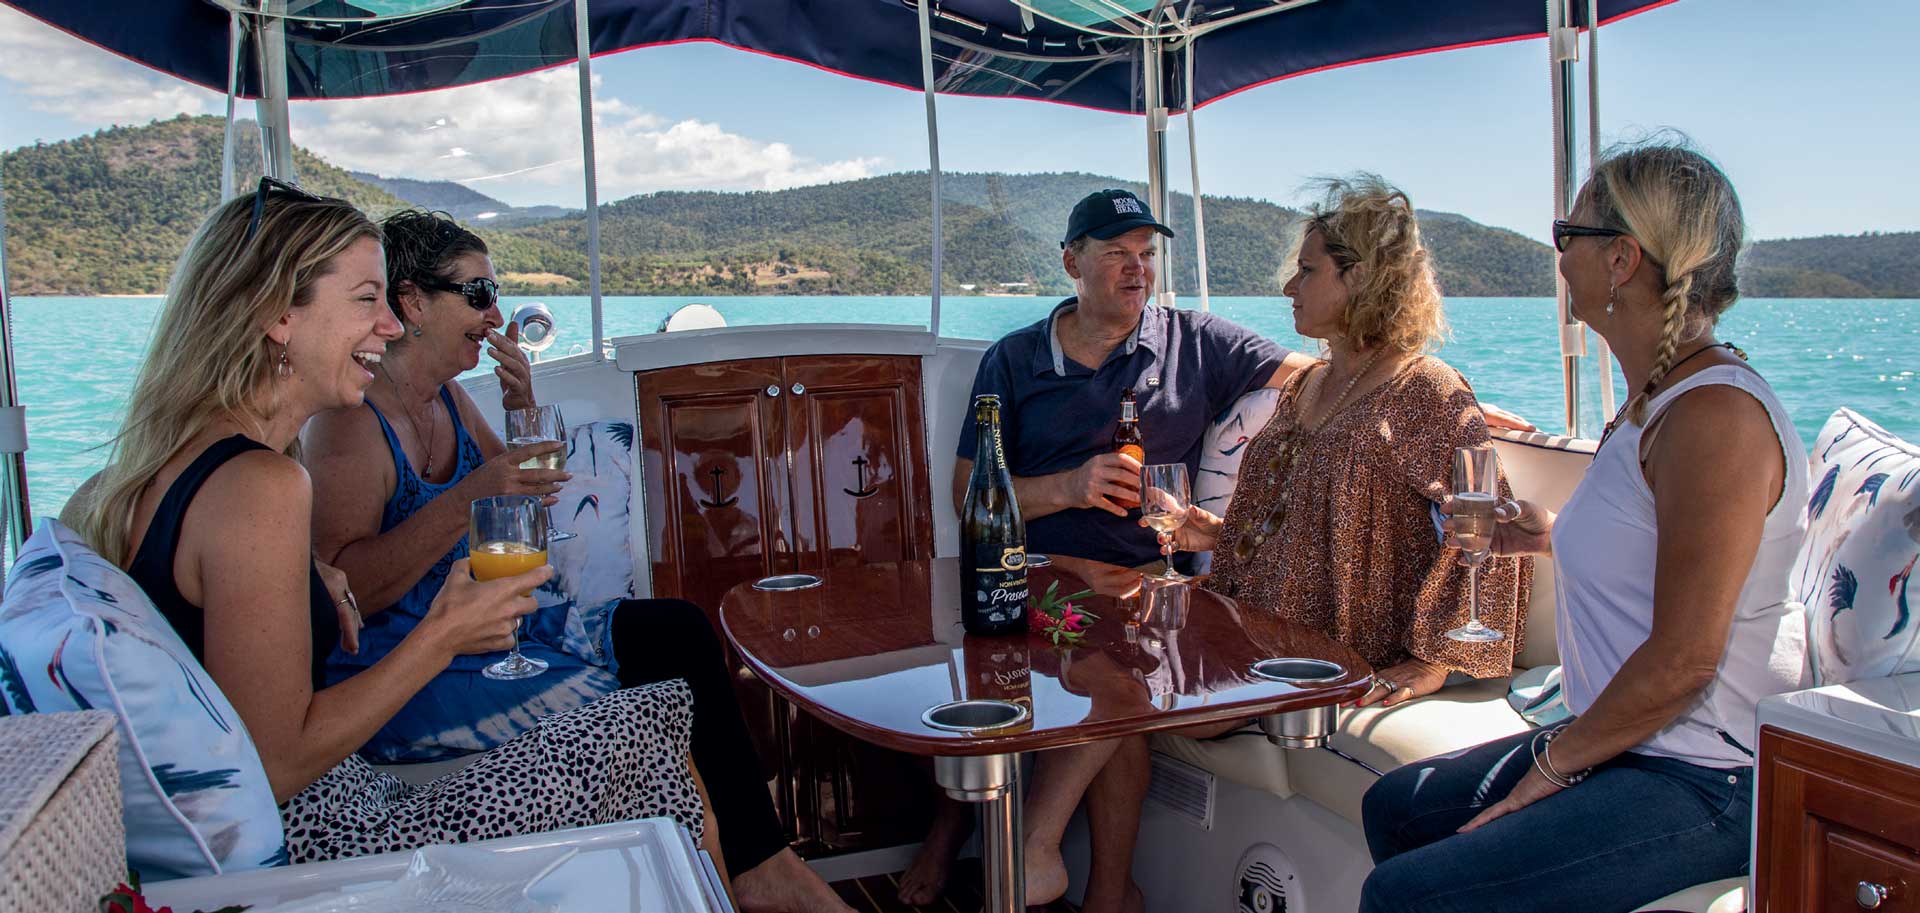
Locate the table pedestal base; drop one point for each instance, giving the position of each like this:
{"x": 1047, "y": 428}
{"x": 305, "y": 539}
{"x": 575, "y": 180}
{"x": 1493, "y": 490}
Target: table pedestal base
{"x": 993, "y": 781}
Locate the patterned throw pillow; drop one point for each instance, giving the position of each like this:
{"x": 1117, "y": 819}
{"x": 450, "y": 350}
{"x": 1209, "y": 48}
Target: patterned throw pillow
{"x": 1856, "y": 572}
{"x": 77, "y": 634}
{"x": 1536, "y": 695}
{"x": 593, "y": 572}
{"x": 1225, "y": 443}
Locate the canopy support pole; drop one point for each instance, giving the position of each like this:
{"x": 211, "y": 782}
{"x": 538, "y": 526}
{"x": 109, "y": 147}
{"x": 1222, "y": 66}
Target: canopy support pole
{"x": 933, "y": 157}
{"x": 1153, "y": 86}
{"x": 272, "y": 106}
{"x": 1193, "y": 159}
{"x": 1563, "y": 48}
{"x": 234, "y": 30}
{"x": 16, "y": 509}
{"x": 583, "y": 51}
{"x": 1603, "y": 354}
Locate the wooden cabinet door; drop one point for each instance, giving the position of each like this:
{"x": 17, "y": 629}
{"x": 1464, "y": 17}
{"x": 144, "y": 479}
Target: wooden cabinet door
{"x": 856, "y": 430}
{"x": 1834, "y": 825}
{"x": 714, "y": 467}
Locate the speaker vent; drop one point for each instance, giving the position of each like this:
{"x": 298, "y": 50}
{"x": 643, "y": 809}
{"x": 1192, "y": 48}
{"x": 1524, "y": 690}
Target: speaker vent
{"x": 1267, "y": 882}
{"x": 1182, "y": 788}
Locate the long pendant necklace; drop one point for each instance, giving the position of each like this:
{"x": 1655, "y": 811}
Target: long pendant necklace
{"x": 1291, "y": 443}
{"x": 433, "y": 427}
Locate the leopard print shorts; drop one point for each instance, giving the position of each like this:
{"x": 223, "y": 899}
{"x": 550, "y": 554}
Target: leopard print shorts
{"x": 619, "y": 758}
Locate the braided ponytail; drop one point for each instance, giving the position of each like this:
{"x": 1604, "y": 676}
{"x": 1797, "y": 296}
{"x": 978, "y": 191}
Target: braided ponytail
{"x": 1684, "y": 214}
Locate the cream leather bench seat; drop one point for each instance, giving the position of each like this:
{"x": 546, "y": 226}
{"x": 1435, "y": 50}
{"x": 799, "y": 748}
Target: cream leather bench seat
{"x": 1542, "y": 468}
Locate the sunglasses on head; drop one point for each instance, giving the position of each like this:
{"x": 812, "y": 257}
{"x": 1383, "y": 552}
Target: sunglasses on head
{"x": 273, "y": 185}
{"x": 480, "y": 293}
{"x": 1563, "y": 229}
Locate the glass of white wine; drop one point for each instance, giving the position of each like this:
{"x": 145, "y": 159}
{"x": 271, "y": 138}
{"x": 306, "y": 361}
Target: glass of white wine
{"x": 1476, "y": 492}
{"x": 539, "y": 425}
{"x": 1164, "y": 502}
{"x": 507, "y": 535}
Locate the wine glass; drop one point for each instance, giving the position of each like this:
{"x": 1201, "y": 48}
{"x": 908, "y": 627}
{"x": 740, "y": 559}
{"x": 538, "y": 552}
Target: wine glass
{"x": 1476, "y": 492}
{"x": 507, "y": 535}
{"x": 1164, "y": 502}
{"x": 539, "y": 425}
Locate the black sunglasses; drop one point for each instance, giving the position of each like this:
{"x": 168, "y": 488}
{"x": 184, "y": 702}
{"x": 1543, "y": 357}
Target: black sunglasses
{"x": 271, "y": 185}
{"x": 1563, "y": 229}
{"x": 480, "y": 293}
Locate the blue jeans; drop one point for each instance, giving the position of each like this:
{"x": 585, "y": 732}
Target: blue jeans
{"x": 1639, "y": 828}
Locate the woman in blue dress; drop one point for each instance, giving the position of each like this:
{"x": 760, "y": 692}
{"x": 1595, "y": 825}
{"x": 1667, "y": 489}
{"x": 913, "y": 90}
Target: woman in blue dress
{"x": 394, "y": 480}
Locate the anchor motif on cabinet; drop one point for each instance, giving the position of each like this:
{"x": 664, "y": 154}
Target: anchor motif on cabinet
{"x": 718, "y": 492}
{"x": 860, "y": 480}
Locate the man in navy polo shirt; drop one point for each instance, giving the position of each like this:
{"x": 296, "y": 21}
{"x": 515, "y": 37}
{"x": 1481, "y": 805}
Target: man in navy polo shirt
{"x": 1061, "y": 379}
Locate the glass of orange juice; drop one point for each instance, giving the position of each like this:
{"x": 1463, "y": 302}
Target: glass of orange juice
{"x": 507, "y": 535}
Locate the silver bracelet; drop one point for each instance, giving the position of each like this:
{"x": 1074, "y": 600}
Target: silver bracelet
{"x": 1553, "y": 774}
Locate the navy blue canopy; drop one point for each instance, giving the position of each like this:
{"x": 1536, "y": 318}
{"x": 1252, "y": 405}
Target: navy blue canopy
{"x": 982, "y": 47}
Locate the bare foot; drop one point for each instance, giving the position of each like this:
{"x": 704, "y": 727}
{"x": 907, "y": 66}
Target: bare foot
{"x": 784, "y": 884}
{"x": 926, "y": 879}
{"x": 1046, "y": 873}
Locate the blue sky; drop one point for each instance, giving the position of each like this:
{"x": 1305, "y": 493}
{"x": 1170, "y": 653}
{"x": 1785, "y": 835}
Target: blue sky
{"x": 1805, "y": 105}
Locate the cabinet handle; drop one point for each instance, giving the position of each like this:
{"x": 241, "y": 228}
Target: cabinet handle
{"x": 773, "y": 390}
{"x": 799, "y": 389}
{"x": 1870, "y": 896}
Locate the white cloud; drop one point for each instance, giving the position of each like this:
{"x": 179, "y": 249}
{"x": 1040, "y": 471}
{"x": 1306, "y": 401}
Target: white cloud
{"x": 519, "y": 139}
{"x": 516, "y": 139}
{"x": 93, "y": 88}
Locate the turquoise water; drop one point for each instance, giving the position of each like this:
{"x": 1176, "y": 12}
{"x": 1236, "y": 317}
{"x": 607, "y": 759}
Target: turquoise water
{"x": 77, "y": 356}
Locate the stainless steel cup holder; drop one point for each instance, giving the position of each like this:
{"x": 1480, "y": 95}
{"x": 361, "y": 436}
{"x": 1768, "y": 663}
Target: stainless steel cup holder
{"x": 1309, "y": 728}
{"x": 1035, "y": 559}
{"x": 783, "y": 582}
{"x": 974, "y": 716}
{"x": 1298, "y": 671}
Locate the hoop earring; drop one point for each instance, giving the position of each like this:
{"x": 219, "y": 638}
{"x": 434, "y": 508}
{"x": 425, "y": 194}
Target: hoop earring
{"x": 284, "y": 368}
{"x": 1613, "y": 295}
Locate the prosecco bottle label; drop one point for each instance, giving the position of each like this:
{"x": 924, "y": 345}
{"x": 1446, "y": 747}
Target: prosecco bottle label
{"x": 999, "y": 584}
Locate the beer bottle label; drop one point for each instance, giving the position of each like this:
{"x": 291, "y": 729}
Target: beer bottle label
{"x": 999, "y": 582}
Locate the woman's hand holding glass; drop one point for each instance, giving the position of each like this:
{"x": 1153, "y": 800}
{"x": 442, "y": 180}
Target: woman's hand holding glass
{"x": 1199, "y": 533}
{"x": 472, "y": 616}
{"x": 504, "y": 475}
{"x": 1520, "y": 528}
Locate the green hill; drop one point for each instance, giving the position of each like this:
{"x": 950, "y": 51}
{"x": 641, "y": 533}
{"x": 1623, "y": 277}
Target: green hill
{"x": 109, "y": 214}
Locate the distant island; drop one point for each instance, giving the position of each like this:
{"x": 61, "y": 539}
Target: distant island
{"x": 109, "y": 214}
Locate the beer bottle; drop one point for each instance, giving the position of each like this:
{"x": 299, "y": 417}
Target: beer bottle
{"x": 993, "y": 541}
{"x": 1127, "y": 439}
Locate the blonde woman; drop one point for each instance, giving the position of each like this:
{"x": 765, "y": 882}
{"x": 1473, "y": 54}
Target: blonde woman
{"x": 1675, "y": 612}
{"x": 1331, "y": 525}
{"x": 283, "y": 297}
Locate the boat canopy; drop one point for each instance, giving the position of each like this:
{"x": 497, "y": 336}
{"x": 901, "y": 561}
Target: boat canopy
{"x": 1079, "y": 52}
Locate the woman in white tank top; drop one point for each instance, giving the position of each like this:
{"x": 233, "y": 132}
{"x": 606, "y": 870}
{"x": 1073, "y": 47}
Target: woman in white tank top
{"x": 1675, "y": 617}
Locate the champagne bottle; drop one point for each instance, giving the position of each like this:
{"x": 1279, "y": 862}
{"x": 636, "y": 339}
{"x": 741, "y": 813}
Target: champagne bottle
{"x": 993, "y": 540}
{"x": 1127, "y": 439}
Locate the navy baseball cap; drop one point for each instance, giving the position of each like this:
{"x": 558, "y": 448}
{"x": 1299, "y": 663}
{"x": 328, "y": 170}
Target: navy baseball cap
{"x": 1108, "y": 214}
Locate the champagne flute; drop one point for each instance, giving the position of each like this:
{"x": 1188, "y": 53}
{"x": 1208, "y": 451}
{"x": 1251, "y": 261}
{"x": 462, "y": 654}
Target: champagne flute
{"x": 539, "y": 425}
{"x": 507, "y": 536}
{"x": 1164, "y": 502}
{"x": 1476, "y": 492}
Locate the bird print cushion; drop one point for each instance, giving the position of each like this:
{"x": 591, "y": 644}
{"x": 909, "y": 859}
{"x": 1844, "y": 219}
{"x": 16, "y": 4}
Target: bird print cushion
{"x": 77, "y": 634}
{"x": 593, "y": 572}
{"x": 1856, "y": 571}
{"x": 1225, "y": 443}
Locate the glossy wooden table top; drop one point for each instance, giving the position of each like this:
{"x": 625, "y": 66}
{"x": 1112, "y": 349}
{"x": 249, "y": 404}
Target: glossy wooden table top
{"x": 874, "y": 647}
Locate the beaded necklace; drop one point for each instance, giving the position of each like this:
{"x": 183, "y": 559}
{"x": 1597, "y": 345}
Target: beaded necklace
{"x": 1648, "y": 394}
{"x": 1292, "y": 442}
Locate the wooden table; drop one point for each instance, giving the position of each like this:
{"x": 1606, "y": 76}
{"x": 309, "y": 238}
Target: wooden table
{"x": 872, "y": 649}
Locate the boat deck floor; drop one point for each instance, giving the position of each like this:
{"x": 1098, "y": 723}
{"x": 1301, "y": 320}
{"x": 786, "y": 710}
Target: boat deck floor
{"x": 879, "y": 894}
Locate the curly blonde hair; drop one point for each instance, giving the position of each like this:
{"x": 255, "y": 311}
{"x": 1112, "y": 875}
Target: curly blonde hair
{"x": 1683, "y": 211}
{"x": 1370, "y": 230}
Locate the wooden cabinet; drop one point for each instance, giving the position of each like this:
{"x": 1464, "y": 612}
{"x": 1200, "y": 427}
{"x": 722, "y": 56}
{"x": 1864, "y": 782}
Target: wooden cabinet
{"x": 771, "y": 466}
{"x": 1837, "y": 830}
